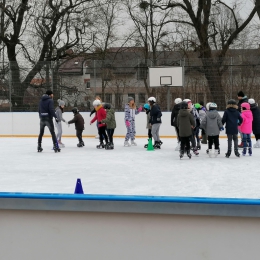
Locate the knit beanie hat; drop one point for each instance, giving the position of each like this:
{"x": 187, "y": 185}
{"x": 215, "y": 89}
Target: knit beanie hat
{"x": 251, "y": 101}
{"x": 177, "y": 100}
{"x": 61, "y": 102}
{"x": 130, "y": 98}
{"x": 49, "y": 92}
{"x": 240, "y": 94}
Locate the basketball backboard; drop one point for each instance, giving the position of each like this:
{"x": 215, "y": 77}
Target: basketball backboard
{"x": 166, "y": 76}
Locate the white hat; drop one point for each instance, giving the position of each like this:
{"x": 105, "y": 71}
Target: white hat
{"x": 177, "y": 100}
{"x": 251, "y": 101}
{"x": 152, "y": 99}
{"x": 96, "y": 103}
{"x": 187, "y": 100}
{"x": 208, "y": 105}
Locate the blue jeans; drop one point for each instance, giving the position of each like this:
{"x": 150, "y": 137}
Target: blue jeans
{"x": 246, "y": 139}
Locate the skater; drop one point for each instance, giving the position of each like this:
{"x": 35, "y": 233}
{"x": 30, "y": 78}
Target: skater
{"x": 212, "y": 125}
{"x": 94, "y": 112}
{"x": 78, "y": 120}
{"x": 246, "y": 128}
{"x": 46, "y": 114}
{"x": 155, "y": 121}
{"x": 256, "y": 121}
{"x": 202, "y": 115}
{"x": 148, "y": 126}
{"x": 174, "y": 114}
{"x": 242, "y": 98}
{"x": 195, "y": 115}
{"x": 185, "y": 123}
{"x": 130, "y": 112}
{"x": 100, "y": 115}
{"x": 59, "y": 111}
{"x": 232, "y": 119}
{"x": 204, "y": 137}
{"x": 110, "y": 121}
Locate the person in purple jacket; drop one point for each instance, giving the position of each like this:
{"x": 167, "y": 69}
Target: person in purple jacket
{"x": 46, "y": 114}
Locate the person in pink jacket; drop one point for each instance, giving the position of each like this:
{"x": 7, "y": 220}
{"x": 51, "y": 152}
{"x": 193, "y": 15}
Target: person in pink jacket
{"x": 246, "y": 128}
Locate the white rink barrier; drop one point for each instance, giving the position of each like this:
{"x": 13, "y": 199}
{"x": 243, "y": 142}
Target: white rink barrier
{"x": 26, "y": 124}
{"x": 73, "y": 226}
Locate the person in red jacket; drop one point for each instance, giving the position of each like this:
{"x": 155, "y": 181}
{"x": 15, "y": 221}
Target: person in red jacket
{"x": 100, "y": 115}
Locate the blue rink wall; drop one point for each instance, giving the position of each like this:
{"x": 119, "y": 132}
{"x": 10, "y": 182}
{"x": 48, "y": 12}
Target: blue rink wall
{"x": 27, "y": 124}
{"x": 70, "y": 226}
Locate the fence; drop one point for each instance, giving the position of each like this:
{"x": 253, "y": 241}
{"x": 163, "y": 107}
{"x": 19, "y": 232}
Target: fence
{"x": 78, "y": 80}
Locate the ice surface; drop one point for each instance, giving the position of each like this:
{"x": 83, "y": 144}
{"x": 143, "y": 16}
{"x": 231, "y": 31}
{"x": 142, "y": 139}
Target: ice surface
{"x": 125, "y": 170}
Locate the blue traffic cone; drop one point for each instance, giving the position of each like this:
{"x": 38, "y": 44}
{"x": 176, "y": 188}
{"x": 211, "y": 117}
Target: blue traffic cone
{"x": 78, "y": 188}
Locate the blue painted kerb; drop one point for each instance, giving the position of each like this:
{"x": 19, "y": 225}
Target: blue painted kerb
{"x": 100, "y": 197}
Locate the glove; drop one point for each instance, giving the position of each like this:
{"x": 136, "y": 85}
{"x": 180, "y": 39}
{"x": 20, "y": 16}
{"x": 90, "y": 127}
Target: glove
{"x": 127, "y": 123}
{"x": 221, "y": 128}
{"x": 57, "y": 120}
{"x": 140, "y": 109}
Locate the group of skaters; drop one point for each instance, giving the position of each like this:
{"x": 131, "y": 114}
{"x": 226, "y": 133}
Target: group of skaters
{"x": 239, "y": 117}
{"x": 187, "y": 118}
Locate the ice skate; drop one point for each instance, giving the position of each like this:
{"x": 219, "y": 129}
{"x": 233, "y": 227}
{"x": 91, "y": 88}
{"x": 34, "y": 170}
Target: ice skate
{"x": 39, "y": 148}
{"x": 157, "y": 145}
{"x": 181, "y": 154}
{"x": 189, "y": 154}
{"x": 160, "y": 142}
{"x": 195, "y": 151}
{"x": 177, "y": 147}
{"x": 244, "y": 151}
{"x": 109, "y": 146}
{"x": 207, "y": 151}
{"x": 257, "y": 144}
{"x": 80, "y": 144}
{"x": 133, "y": 143}
{"x": 126, "y": 144}
{"x": 100, "y": 146}
{"x": 228, "y": 153}
{"x": 237, "y": 154}
{"x": 250, "y": 151}
{"x": 210, "y": 154}
{"x": 216, "y": 153}
{"x": 61, "y": 145}
{"x": 56, "y": 148}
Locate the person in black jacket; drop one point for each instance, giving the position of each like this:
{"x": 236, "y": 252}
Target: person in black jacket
{"x": 232, "y": 119}
{"x": 174, "y": 114}
{"x": 155, "y": 121}
{"x": 256, "y": 121}
{"x": 46, "y": 114}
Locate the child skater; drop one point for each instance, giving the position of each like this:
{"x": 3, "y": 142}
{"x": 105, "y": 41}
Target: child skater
{"x": 100, "y": 115}
{"x": 148, "y": 126}
{"x": 130, "y": 112}
{"x": 59, "y": 111}
{"x": 110, "y": 121}
{"x": 212, "y": 125}
{"x": 185, "y": 123}
{"x": 78, "y": 120}
{"x": 174, "y": 115}
{"x": 256, "y": 121}
{"x": 246, "y": 128}
{"x": 155, "y": 121}
{"x": 232, "y": 119}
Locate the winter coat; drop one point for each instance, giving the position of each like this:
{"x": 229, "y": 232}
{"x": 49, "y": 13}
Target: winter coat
{"x": 240, "y": 102}
{"x": 185, "y": 121}
{"x": 155, "y": 115}
{"x": 212, "y": 123}
{"x": 256, "y": 118}
{"x": 100, "y": 115}
{"x": 58, "y": 112}
{"x": 148, "y": 126}
{"x": 232, "y": 119}
{"x": 130, "y": 113}
{"x": 202, "y": 114}
{"x": 78, "y": 120}
{"x": 110, "y": 119}
{"x": 174, "y": 114}
{"x": 46, "y": 107}
{"x": 196, "y": 116}
{"x": 246, "y": 126}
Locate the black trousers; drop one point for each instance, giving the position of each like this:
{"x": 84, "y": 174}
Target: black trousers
{"x": 46, "y": 121}
{"x": 235, "y": 140}
{"x": 79, "y": 135}
{"x": 110, "y": 133}
{"x": 213, "y": 140}
{"x": 185, "y": 141}
{"x": 102, "y": 134}
{"x": 150, "y": 136}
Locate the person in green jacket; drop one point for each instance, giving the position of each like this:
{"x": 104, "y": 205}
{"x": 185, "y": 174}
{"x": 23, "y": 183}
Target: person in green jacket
{"x": 110, "y": 121}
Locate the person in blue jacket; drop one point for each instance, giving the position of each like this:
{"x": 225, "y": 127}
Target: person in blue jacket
{"x": 46, "y": 114}
{"x": 232, "y": 119}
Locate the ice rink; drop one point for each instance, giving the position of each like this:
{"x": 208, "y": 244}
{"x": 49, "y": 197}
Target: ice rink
{"x": 126, "y": 170}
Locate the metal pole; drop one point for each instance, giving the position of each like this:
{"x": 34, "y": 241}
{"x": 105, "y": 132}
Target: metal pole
{"x": 231, "y": 75}
{"x": 10, "y": 86}
{"x": 168, "y": 98}
{"x": 95, "y": 79}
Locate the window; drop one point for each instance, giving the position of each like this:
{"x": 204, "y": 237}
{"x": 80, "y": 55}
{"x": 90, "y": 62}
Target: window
{"x": 141, "y": 97}
{"x": 142, "y": 71}
{"x": 108, "y": 98}
{"x": 118, "y": 101}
